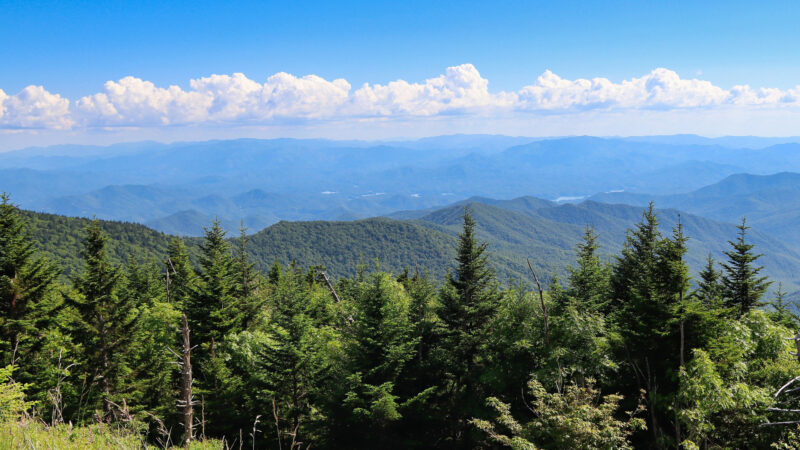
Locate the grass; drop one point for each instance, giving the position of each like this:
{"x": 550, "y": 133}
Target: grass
{"x": 36, "y": 435}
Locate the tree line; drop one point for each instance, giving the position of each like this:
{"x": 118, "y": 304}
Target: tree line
{"x": 626, "y": 353}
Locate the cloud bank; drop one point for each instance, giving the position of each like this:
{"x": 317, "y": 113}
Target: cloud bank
{"x": 284, "y": 98}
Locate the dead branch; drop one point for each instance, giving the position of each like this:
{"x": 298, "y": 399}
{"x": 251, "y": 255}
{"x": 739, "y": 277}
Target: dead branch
{"x": 324, "y": 277}
{"x": 544, "y": 306}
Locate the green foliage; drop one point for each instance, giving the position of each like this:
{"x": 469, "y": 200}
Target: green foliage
{"x": 104, "y": 323}
{"x": 726, "y": 389}
{"x": 29, "y": 300}
{"x": 34, "y": 434}
{"x": 578, "y": 418}
{"x": 742, "y": 287}
{"x": 212, "y": 306}
{"x": 469, "y": 301}
{"x": 12, "y": 397}
{"x": 60, "y": 239}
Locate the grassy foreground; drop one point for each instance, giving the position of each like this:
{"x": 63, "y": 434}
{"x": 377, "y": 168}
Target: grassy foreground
{"x": 35, "y": 435}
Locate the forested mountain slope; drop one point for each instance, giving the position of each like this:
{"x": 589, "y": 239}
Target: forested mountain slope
{"x": 515, "y": 230}
{"x": 547, "y": 235}
{"x": 61, "y": 239}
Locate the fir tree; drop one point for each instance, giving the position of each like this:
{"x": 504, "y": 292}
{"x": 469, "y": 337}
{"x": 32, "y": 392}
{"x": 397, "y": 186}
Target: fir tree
{"x": 470, "y": 299}
{"x": 589, "y": 281}
{"x": 181, "y": 279}
{"x": 288, "y": 364}
{"x": 709, "y": 286}
{"x": 742, "y": 287}
{"x": 106, "y": 318}
{"x": 784, "y": 311}
{"x": 244, "y": 271}
{"x": 212, "y": 309}
{"x": 25, "y": 280}
{"x": 246, "y": 281}
{"x": 649, "y": 281}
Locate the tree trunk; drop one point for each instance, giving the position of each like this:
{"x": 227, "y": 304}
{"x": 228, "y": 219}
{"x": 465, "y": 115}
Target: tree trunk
{"x": 186, "y": 384}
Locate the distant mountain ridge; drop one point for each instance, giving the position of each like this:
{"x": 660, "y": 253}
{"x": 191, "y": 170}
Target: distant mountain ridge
{"x": 770, "y": 203}
{"x": 174, "y": 186}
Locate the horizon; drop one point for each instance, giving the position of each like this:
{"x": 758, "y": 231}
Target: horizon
{"x": 401, "y": 139}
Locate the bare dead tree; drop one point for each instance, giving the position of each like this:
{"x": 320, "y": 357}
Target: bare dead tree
{"x": 55, "y": 394}
{"x": 324, "y": 277}
{"x": 186, "y": 401}
{"x": 544, "y": 306}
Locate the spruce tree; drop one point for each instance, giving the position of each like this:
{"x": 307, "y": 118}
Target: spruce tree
{"x": 470, "y": 299}
{"x": 106, "y": 318}
{"x": 783, "y": 309}
{"x": 649, "y": 281}
{"x": 288, "y": 366}
{"x": 589, "y": 280}
{"x": 742, "y": 287}
{"x": 25, "y": 281}
{"x": 153, "y": 374}
{"x": 709, "y": 286}
{"x": 212, "y": 309}
{"x": 244, "y": 270}
{"x": 246, "y": 281}
{"x": 181, "y": 279}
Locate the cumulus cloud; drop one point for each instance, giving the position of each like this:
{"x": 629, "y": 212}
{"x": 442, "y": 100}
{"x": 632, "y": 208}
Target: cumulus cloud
{"x": 132, "y": 101}
{"x": 34, "y": 107}
{"x": 461, "y": 90}
{"x": 661, "y": 88}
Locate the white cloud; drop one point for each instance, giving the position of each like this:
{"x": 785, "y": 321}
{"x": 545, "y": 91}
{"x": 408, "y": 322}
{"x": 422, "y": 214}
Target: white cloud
{"x": 284, "y": 98}
{"x": 745, "y": 95}
{"x": 134, "y": 102}
{"x": 34, "y": 108}
{"x": 460, "y": 89}
{"x": 660, "y": 89}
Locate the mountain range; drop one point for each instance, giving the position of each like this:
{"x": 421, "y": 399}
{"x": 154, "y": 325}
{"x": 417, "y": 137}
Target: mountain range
{"x": 180, "y": 187}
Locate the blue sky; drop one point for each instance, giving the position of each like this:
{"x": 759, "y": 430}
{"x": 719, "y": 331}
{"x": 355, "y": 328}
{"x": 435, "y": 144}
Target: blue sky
{"x": 71, "y": 49}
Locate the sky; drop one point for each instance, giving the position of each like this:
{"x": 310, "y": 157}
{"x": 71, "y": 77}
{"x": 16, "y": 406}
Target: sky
{"x": 104, "y": 72}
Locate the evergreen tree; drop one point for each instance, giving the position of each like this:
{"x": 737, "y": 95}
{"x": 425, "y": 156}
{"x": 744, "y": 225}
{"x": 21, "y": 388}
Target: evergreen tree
{"x": 181, "y": 278}
{"x": 106, "y": 320}
{"x": 709, "y": 287}
{"x": 589, "y": 282}
{"x": 649, "y": 281}
{"x": 212, "y": 309}
{"x": 742, "y": 287}
{"x": 246, "y": 281}
{"x": 470, "y": 299}
{"x": 244, "y": 270}
{"x": 153, "y": 374}
{"x": 291, "y": 365}
{"x": 25, "y": 281}
{"x": 784, "y": 311}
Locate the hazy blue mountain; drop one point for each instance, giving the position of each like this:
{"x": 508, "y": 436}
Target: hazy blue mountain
{"x": 751, "y": 142}
{"x": 770, "y": 203}
{"x": 191, "y": 223}
{"x": 308, "y": 179}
